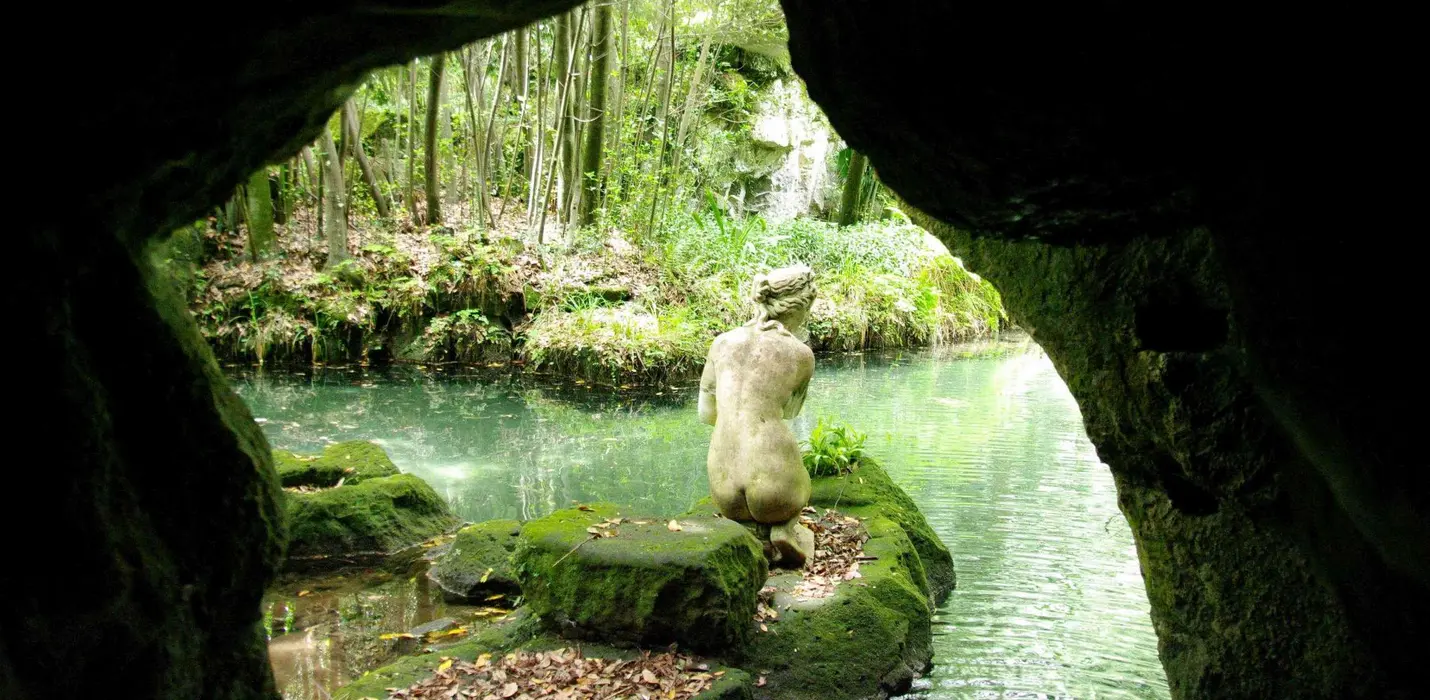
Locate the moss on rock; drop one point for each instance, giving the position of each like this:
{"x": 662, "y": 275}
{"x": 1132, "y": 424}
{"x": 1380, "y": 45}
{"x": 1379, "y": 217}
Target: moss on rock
{"x": 374, "y": 517}
{"x": 868, "y": 640}
{"x": 351, "y": 462}
{"x": 696, "y": 586}
{"x": 478, "y": 562}
{"x": 869, "y": 492}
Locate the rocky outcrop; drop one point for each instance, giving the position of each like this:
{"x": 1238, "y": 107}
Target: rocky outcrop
{"x": 870, "y": 493}
{"x": 478, "y": 564}
{"x": 872, "y": 637}
{"x": 593, "y": 574}
{"x": 363, "y": 522}
{"x": 344, "y": 462}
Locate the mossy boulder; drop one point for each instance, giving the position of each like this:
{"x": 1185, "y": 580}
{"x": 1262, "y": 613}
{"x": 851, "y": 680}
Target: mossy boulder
{"x": 648, "y": 584}
{"x": 350, "y": 462}
{"x": 869, "y": 492}
{"x": 869, "y": 639}
{"x": 373, "y": 518}
{"x": 478, "y": 563}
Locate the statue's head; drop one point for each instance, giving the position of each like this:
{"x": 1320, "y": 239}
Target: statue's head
{"x": 785, "y": 295}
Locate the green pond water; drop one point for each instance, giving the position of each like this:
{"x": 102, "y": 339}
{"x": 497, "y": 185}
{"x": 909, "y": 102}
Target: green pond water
{"x": 986, "y": 439}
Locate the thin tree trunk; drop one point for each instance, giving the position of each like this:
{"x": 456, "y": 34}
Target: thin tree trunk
{"x": 533, "y": 184}
{"x": 849, "y": 202}
{"x": 595, "y": 129}
{"x": 474, "y": 81}
{"x": 354, "y": 136}
{"x": 453, "y": 190}
{"x": 664, "y": 132}
{"x": 315, "y": 190}
{"x": 487, "y": 146}
{"x": 691, "y": 98}
{"x": 565, "y": 63}
{"x": 578, "y": 106}
{"x": 521, "y": 77}
{"x": 280, "y": 208}
{"x": 434, "y": 108}
{"x": 410, "y": 199}
{"x": 314, "y": 174}
{"x": 620, "y": 100}
{"x": 260, "y": 215}
{"x": 562, "y": 124}
{"x": 335, "y": 223}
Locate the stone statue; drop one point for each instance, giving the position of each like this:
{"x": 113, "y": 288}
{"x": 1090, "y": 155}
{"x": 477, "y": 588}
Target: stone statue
{"x": 755, "y": 379}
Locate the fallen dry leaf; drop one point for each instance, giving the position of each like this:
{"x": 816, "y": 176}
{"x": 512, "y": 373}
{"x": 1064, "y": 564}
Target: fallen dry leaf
{"x": 839, "y": 547}
{"x": 760, "y": 683}
{"x": 565, "y": 674}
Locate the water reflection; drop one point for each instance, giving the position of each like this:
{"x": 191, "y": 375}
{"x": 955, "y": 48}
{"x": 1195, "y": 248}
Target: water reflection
{"x": 987, "y": 440}
{"x": 324, "y": 631}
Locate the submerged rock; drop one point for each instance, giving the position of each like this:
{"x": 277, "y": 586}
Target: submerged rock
{"x": 349, "y": 462}
{"x": 478, "y": 563}
{"x": 592, "y": 574}
{"x": 373, "y": 518}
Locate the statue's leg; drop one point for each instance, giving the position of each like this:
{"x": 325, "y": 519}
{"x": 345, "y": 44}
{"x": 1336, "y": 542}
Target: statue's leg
{"x": 794, "y": 542}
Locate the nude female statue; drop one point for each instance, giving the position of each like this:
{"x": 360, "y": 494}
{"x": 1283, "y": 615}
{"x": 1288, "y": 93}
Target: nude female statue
{"x": 755, "y": 379}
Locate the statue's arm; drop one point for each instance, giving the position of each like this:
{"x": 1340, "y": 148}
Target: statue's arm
{"x": 707, "y": 392}
{"x": 806, "y": 371}
{"x": 796, "y": 400}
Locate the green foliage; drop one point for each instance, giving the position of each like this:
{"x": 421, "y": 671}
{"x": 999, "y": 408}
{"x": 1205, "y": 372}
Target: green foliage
{"x": 832, "y": 449}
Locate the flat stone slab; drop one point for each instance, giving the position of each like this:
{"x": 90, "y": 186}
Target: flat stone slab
{"x": 593, "y": 574}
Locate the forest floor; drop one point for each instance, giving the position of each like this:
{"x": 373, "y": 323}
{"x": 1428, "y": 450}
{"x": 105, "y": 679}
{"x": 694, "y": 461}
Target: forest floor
{"x": 603, "y": 307}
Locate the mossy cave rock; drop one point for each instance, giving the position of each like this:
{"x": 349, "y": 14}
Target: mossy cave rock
{"x": 478, "y": 563}
{"x": 646, "y": 584}
{"x": 347, "y": 462}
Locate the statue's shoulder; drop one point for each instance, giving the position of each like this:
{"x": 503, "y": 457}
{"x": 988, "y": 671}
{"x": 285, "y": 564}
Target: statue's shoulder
{"x": 733, "y": 336}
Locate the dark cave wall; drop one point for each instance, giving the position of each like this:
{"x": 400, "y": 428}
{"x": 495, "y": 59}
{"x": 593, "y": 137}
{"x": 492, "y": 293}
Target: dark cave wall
{"x": 143, "y": 518}
{"x": 1180, "y": 205}
{"x": 1219, "y": 500}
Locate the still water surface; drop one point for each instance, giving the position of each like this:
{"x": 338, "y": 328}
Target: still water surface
{"x": 986, "y": 439}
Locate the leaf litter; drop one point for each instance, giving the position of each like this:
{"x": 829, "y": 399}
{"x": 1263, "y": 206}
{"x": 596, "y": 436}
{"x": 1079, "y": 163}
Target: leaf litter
{"x": 838, "y": 549}
{"x": 565, "y": 674}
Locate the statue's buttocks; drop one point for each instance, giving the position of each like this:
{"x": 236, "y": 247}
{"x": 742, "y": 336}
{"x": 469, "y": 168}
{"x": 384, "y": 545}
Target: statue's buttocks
{"x": 755, "y": 378}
